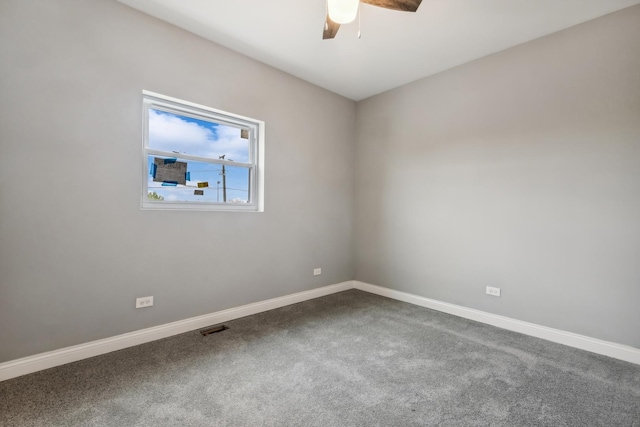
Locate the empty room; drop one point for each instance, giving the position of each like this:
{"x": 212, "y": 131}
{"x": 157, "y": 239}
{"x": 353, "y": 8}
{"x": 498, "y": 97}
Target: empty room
{"x": 319, "y": 213}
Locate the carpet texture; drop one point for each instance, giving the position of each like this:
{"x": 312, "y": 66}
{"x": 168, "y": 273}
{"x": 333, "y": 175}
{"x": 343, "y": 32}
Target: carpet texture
{"x": 348, "y": 359}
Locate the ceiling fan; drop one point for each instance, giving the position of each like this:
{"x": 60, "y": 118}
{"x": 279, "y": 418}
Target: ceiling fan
{"x": 345, "y": 11}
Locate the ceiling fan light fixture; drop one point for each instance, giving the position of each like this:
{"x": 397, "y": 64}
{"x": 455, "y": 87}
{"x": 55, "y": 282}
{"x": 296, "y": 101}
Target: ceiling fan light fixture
{"x": 342, "y": 11}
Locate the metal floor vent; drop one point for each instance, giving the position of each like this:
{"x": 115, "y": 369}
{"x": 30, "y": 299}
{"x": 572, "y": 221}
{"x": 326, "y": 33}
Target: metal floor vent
{"x": 213, "y": 329}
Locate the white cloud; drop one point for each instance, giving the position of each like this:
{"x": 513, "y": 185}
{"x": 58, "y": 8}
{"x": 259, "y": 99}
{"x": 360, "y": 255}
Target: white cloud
{"x": 168, "y": 132}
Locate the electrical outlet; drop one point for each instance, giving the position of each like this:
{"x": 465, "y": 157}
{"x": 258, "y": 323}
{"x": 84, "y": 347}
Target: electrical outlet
{"x": 493, "y": 291}
{"x": 317, "y": 271}
{"x": 144, "y": 302}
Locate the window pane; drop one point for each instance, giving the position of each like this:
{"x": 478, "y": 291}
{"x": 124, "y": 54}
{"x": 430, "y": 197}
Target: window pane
{"x": 203, "y": 182}
{"x": 181, "y": 134}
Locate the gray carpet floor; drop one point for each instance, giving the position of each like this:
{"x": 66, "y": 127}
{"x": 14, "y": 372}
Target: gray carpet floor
{"x": 348, "y": 359}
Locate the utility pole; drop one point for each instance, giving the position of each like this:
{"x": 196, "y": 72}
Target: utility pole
{"x": 224, "y": 181}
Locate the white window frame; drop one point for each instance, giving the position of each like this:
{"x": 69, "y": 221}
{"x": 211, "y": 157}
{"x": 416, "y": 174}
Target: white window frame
{"x": 152, "y": 100}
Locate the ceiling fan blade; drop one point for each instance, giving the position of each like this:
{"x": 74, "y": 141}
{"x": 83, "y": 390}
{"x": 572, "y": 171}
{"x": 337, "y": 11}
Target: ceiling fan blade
{"x": 403, "y": 5}
{"x": 330, "y": 29}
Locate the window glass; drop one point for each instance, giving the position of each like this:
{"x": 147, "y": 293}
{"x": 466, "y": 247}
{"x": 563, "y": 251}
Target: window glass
{"x": 203, "y": 182}
{"x": 182, "y": 134}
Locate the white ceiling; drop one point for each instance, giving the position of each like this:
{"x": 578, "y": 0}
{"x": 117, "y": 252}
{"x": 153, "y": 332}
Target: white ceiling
{"x": 395, "y": 48}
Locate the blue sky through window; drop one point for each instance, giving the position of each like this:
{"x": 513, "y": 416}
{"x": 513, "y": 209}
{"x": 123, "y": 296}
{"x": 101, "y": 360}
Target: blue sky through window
{"x": 179, "y": 134}
{"x": 175, "y": 133}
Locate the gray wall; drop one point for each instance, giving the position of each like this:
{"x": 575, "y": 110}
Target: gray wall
{"x": 75, "y": 248}
{"x": 520, "y": 170}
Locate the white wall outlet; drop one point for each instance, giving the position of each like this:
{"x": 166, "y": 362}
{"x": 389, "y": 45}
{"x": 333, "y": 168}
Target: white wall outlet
{"x": 144, "y": 302}
{"x": 317, "y": 271}
{"x": 493, "y": 291}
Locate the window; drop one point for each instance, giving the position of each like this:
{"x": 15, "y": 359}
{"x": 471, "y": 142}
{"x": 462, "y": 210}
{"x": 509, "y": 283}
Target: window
{"x": 199, "y": 158}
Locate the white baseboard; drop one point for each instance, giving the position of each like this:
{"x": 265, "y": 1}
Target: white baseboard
{"x": 617, "y": 351}
{"x": 62, "y": 356}
{"x": 39, "y": 362}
